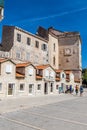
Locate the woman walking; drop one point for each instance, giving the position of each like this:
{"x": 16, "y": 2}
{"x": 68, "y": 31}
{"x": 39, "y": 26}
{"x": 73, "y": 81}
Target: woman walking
{"x": 76, "y": 89}
{"x": 81, "y": 90}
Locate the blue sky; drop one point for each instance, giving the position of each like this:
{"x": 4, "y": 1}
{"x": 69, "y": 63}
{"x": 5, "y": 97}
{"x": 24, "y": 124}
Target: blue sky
{"x": 64, "y": 15}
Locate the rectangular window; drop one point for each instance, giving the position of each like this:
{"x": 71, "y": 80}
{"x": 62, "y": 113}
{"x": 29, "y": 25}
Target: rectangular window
{"x": 54, "y": 47}
{"x": 18, "y": 55}
{"x": 0, "y": 86}
{"x": 8, "y": 68}
{"x": 21, "y": 87}
{"x": 52, "y": 74}
{"x": 30, "y": 71}
{"x": 51, "y": 87}
{"x": 27, "y": 56}
{"x": 57, "y": 87}
{"x": 54, "y": 59}
{"x": 31, "y": 88}
{"x": 36, "y": 44}
{"x": 18, "y": 37}
{"x": 36, "y": 59}
{"x": 44, "y": 47}
{"x": 39, "y": 87}
{"x": 46, "y": 73}
{"x": 63, "y": 76}
{"x": 28, "y": 41}
{"x": 10, "y": 89}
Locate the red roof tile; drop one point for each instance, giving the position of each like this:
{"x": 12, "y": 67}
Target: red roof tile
{"x": 58, "y": 71}
{"x": 18, "y": 75}
{"x": 3, "y": 60}
{"x": 68, "y": 72}
{"x": 57, "y": 79}
{"x": 38, "y": 77}
{"x": 42, "y": 67}
{"x": 77, "y": 80}
{"x": 23, "y": 64}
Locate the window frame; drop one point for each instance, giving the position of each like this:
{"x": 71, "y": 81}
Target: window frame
{"x": 18, "y": 37}
{"x": 54, "y": 47}
{"x": 18, "y": 54}
{"x": 37, "y": 44}
{"x": 39, "y": 87}
{"x": 8, "y": 69}
{"x": 44, "y": 47}
{"x": 28, "y": 41}
{"x": 23, "y": 87}
{"x": 54, "y": 60}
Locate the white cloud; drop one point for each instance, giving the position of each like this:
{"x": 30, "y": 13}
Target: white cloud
{"x": 52, "y": 16}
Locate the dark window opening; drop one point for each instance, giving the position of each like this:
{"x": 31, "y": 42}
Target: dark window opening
{"x": 18, "y": 37}
{"x": 36, "y": 44}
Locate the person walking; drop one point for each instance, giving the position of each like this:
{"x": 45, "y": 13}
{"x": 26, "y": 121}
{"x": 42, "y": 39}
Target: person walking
{"x": 81, "y": 90}
{"x": 76, "y": 89}
{"x": 70, "y": 89}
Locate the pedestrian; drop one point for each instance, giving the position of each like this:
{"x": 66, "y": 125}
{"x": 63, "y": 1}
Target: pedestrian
{"x": 81, "y": 90}
{"x": 76, "y": 89}
{"x": 70, "y": 88}
{"x": 59, "y": 89}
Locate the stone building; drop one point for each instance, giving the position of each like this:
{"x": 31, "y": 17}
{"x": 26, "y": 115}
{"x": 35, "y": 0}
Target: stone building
{"x": 62, "y": 50}
{"x": 70, "y": 52}
{"x": 25, "y": 79}
{"x": 1, "y": 9}
{"x": 7, "y": 78}
{"x": 24, "y": 46}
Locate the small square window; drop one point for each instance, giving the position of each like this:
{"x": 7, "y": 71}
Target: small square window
{"x": 18, "y": 37}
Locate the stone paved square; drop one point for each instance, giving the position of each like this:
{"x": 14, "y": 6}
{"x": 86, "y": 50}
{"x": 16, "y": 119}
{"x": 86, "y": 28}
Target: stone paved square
{"x": 69, "y": 114}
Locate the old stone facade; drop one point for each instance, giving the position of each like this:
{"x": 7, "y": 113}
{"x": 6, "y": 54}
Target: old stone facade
{"x": 24, "y": 46}
{"x": 62, "y": 50}
{"x": 25, "y": 79}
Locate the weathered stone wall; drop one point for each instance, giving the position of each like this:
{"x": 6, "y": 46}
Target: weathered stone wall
{"x": 36, "y": 55}
{"x": 7, "y": 38}
{"x": 53, "y": 53}
{"x": 69, "y": 53}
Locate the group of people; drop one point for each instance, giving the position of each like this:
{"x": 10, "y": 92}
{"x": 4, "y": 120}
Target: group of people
{"x": 77, "y": 90}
